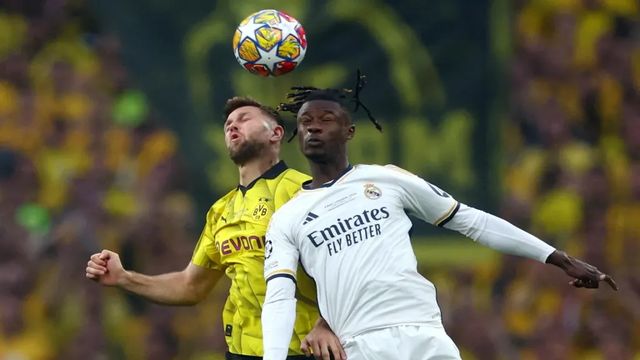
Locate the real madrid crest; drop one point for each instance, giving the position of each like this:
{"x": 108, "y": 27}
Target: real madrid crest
{"x": 261, "y": 210}
{"x": 371, "y": 191}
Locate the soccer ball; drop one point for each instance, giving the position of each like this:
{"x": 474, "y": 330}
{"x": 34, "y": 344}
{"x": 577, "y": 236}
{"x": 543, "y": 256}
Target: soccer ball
{"x": 269, "y": 42}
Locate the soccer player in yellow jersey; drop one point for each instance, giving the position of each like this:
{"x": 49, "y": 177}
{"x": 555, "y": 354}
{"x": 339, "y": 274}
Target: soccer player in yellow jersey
{"x": 233, "y": 242}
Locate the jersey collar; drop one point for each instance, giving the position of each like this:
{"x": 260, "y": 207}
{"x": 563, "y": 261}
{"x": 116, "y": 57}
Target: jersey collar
{"x": 305, "y": 185}
{"x": 272, "y": 173}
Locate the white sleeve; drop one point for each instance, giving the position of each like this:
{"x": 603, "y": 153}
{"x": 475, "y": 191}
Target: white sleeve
{"x": 498, "y": 234}
{"x": 278, "y": 318}
{"x": 423, "y": 199}
{"x": 280, "y": 251}
{"x": 279, "y": 309}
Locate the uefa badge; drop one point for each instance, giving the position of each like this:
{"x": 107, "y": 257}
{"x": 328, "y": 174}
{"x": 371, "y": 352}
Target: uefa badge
{"x": 372, "y": 192}
{"x": 268, "y": 249}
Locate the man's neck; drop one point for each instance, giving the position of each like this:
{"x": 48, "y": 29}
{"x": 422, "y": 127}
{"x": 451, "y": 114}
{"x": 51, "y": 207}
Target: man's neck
{"x": 326, "y": 172}
{"x": 253, "y": 169}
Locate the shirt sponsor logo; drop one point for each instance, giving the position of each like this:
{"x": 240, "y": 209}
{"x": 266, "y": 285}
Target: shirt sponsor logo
{"x": 350, "y": 231}
{"x": 240, "y": 243}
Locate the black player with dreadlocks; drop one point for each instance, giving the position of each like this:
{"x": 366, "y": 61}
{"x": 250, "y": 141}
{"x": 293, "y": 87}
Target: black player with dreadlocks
{"x": 325, "y": 126}
{"x": 342, "y": 97}
{"x": 349, "y": 228}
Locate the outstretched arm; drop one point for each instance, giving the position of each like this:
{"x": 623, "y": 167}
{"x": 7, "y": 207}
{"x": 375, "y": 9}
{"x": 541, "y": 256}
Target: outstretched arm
{"x": 186, "y": 287}
{"x": 437, "y": 207}
{"x": 499, "y": 234}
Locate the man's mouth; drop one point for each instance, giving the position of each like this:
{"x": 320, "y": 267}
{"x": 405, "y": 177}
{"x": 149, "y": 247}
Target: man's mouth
{"x": 314, "y": 141}
{"x": 234, "y": 137}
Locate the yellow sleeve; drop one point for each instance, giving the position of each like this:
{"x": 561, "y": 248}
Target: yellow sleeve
{"x": 206, "y": 254}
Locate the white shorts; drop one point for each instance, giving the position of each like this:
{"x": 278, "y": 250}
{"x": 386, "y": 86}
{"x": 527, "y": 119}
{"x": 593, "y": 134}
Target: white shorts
{"x": 404, "y": 342}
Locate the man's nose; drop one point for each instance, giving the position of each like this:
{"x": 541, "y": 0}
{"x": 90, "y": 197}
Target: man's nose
{"x": 232, "y": 127}
{"x": 314, "y": 127}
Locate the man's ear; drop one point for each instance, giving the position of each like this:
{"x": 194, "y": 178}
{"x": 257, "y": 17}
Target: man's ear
{"x": 351, "y": 131}
{"x": 277, "y": 133}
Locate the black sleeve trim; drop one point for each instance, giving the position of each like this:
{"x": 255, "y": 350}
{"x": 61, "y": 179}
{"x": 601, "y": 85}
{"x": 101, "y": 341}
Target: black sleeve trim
{"x": 283, "y": 275}
{"x": 448, "y": 218}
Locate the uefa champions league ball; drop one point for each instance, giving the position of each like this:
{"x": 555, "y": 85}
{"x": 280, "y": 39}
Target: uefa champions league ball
{"x": 269, "y": 43}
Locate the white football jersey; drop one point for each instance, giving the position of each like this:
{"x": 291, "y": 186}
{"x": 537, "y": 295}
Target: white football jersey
{"x": 352, "y": 238}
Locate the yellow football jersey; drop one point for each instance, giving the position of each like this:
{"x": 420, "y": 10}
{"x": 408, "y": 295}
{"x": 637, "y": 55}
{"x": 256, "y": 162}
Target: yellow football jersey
{"x": 233, "y": 241}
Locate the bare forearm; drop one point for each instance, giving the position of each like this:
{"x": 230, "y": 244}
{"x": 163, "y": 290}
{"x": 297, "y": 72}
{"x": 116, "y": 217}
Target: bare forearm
{"x": 167, "y": 289}
{"x": 559, "y": 259}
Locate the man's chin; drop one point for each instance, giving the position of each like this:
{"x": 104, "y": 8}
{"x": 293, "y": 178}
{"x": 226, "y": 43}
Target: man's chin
{"x": 315, "y": 156}
{"x": 246, "y": 152}
{"x": 242, "y": 157}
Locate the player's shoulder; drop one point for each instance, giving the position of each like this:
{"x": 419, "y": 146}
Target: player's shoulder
{"x": 375, "y": 170}
{"x": 288, "y": 185}
{"x": 293, "y": 177}
{"x": 290, "y": 209}
{"x": 285, "y": 218}
{"x": 219, "y": 205}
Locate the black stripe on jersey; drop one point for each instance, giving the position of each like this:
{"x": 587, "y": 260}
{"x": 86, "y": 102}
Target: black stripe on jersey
{"x": 448, "y": 218}
{"x": 283, "y": 275}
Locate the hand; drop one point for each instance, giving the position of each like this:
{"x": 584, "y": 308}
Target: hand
{"x": 585, "y": 275}
{"x": 323, "y": 343}
{"x": 105, "y": 268}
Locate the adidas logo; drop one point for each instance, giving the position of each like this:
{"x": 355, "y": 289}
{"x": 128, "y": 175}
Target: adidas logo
{"x": 310, "y": 217}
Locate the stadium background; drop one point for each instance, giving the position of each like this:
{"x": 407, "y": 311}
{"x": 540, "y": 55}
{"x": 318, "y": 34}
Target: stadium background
{"x": 110, "y": 136}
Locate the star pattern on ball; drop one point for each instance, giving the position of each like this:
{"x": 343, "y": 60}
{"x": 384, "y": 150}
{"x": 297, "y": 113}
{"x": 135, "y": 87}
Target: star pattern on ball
{"x": 269, "y": 56}
{"x": 289, "y": 25}
{"x": 249, "y": 30}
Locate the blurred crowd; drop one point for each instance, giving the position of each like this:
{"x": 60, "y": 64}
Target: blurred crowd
{"x": 572, "y": 177}
{"x": 85, "y": 165}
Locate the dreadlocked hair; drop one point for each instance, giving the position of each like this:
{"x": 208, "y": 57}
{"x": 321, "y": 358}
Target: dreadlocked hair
{"x": 344, "y": 97}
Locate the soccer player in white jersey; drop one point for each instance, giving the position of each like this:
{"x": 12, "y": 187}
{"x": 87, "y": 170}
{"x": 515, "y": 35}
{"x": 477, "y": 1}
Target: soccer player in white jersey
{"x": 349, "y": 228}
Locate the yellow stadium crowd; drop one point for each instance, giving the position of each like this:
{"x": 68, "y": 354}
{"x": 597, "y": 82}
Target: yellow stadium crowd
{"x": 84, "y": 165}
{"x": 572, "y": 177}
